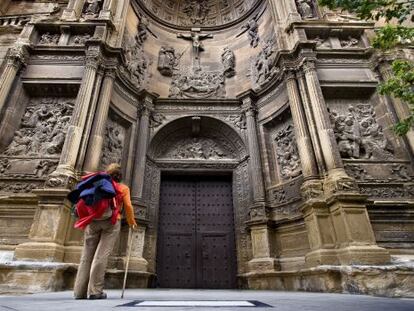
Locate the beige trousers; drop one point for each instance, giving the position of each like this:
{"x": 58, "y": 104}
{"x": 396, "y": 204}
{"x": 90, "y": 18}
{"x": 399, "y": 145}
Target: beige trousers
{"x": 100, "y": 237}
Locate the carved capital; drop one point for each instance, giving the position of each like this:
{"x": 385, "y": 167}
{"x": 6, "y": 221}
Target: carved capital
{"x": 93, "y": 58}
{"x": 291, "y": 75}
{"x": 110, "y": 72}
{"x": 61, "y": 178}
{"x": 17, "y": 56}
{"x": 308, "y": 66}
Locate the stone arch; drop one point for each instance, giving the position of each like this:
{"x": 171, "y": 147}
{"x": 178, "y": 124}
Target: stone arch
{"x": 197, "y": 138}
{"x": 158, "y": 162}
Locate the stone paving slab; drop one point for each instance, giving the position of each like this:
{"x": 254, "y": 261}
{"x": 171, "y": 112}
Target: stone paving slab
{"x": 278, "y": 301}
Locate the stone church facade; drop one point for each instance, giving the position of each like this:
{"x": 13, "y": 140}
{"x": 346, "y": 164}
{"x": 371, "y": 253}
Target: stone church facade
{"x": 258, "y": 152}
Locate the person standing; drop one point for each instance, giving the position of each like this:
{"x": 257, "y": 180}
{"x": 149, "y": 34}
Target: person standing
{"x": 101, "y": 232}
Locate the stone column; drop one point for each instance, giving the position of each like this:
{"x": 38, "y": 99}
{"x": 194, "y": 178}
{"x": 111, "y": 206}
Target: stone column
{"x": 15, "y": 59}
{"x": 108, "y": 9}
{"x": 65, "y": 173}
{"x": 141, "y": 149}
{"x": 73, "y": 11}
{"x": 49, "y": 228}
{"x": 255, "y": 162}
{"x": 258, "y": 224}
{"x": 307, "y": 158}
{"x": 96, "y": 140}
{"x": 339, "y": 228}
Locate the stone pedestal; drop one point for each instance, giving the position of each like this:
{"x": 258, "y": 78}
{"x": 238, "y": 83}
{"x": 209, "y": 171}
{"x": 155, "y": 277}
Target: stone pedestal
{"x": 49, "y": 228}
{"x": 262, "y": 257}
{"x": 136, "y": 262}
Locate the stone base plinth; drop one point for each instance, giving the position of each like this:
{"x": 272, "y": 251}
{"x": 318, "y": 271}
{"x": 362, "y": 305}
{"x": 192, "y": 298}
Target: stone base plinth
{"x": 367, "y": 255}
{"x": 389, "y": 281}
{"x": 31, "y": 277}
{"x": 263, "y": 264}
{"x": 136, "y": 264}
{"x": 39, "y": 251}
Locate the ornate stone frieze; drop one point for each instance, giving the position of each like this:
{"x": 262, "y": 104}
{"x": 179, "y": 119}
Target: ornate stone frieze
{"x": 92, "y": 8}
{"x": 49, "y": 39}
{"x": 27, "y": 167}
{"x": 113, "y": 143}
{"x": 18, "y": 187}
{"x": 396, "y": 191}
{"x": 358, "y": 134}
{"x": 357, "y": 172}
{"x": 263, "y": 67}
{"x": 287, "y": 153}
{"x": 43, "y": 128}
{"x": 229, "y": 62}
{"x": 197, "y": 83}
{"x": 306, "y": 8}
{"x": 378, "y": 172}
{"x": 197, "y": 165}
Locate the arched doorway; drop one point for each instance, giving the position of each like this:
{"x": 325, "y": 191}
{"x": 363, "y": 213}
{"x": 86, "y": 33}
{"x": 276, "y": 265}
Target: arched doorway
{"x": 197, "y": 214}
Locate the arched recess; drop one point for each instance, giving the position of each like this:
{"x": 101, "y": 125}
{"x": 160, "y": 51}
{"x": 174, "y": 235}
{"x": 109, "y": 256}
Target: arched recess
{"x": 194, "y": 145}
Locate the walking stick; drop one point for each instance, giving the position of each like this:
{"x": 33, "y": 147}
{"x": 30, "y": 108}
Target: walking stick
{"x": 127, "y": 263}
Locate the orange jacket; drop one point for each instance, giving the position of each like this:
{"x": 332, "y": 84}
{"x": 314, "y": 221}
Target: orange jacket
{"x": 127, "y": 205}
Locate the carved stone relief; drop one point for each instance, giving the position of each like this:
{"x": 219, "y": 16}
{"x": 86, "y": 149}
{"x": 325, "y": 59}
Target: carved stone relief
{"x": 229, "y": 62}
{"x": 156, "y": 120}
{"x": 79, "y": 39}
{"x": 306, "y": 8}
{"x": 263, "y": 67}
{"x": 43, "y": 128}
{"x": 358, "y": 134}
{"x": 349, "y": 43}
{"x": 197, "y": 83}
{"x": 49, "y": 39}
{"x": 287, "y": 153}
{"x": 196, "y": 11}
{"x": 113, "y": 143}
{"x": 137, "y": 62}
{"x": 92, "y": 8}
{"x": 198, "y": 149}
{"x": 239, "y": 120}
{"x": 192, "y": 13}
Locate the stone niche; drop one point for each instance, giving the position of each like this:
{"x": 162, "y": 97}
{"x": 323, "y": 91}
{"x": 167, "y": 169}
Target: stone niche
{"x": 284, "y": 167}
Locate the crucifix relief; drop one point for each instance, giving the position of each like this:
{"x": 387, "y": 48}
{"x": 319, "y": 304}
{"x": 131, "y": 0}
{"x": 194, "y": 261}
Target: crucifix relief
{"x": 196, "y": 37}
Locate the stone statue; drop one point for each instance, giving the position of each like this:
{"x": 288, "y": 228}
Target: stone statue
{"x": 113, "y": 143}
{"x": 263, "y": 65}
{"x": 252, "y": 28}
{"x": 92, "y": 8}
{"x": 136, "y": 61}
{"x": 305, "y": 8}
{"x": 167, "y": 61}
{"x": 229, "y": 62}
{"x": 196, "y": 39}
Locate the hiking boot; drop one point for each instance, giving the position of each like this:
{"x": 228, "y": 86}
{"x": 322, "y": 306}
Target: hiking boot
{"x": 98, "y": 296}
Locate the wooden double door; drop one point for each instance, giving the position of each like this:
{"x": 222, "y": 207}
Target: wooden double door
{"x": 196, "y": 242}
